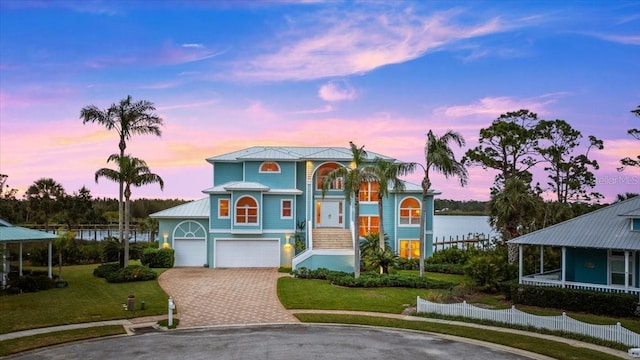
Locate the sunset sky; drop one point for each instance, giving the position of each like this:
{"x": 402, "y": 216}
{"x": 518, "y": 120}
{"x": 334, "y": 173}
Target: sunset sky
{"x": 225, "y": 75}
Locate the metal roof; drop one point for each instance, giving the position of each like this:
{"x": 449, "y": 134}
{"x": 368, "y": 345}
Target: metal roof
{"x": 632, "y": 214}
{"x": 606, "y": 228}
{"x": 194, "y": 209}
{"x": 226, "y": 188}
{"x": 12, "y": 233}
{"x": 292, "y": 153}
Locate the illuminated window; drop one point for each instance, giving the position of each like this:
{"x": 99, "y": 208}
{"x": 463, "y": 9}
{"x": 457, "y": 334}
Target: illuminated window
{"x": 286, "y": 209}
{"x": 246, "y": 210}
{"x": 369, "y": 224}
{"x": 269, "y": 167}
{"x": 369, "y": 191}
{"x": 223, "y": 208}
{"x": 325, "y": 170}
{"x": 410, "y": 212}
{"x": 409, "y": 249}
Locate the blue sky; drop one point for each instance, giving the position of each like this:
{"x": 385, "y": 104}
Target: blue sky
{"x": 231, "y": 74}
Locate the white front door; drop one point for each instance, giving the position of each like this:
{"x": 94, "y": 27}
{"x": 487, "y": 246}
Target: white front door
{"x": 329, "y": 213}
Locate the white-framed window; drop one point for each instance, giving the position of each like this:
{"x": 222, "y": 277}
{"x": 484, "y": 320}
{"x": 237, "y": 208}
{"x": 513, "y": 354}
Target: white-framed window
{"x": 409, "y": 249}
{"x": 616, "y": 267}
{"x": 223, "y": 208}
{"x": 286, "y": 209}
{"x": 369, "y": 191}
{"x": 322, "y": 173}
{"x": 246, "y": 211}
{"x": 369, "y": 224}
{"x": 269, "y": 167}
{"x": 410, "y": 212}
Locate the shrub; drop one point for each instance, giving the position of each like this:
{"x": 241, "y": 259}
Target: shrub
{"x": 131, "y": 273}
{"x": 31, "y": 283}
{"x": 593, "y": 302}
{"x": 408, "y": 264}
{"x": 371, "y": 280}
{"x": 445, "y": 268}
{"x": 489, "y": 270}
{"x": 157, "y": 258}
{"x": 104, "y": 269}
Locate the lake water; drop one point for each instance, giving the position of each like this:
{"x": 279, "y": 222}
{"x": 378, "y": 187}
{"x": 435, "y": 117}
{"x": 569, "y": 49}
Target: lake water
{"x": 450, "y": 226}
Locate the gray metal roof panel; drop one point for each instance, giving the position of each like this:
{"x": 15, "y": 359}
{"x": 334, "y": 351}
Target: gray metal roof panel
{"x": 193, "y": 209}
{"x": 633, "y": 213}
{"x": 12, "y": 233}
{"x": 292, "y": 153}
{"x": 602, "y": 229}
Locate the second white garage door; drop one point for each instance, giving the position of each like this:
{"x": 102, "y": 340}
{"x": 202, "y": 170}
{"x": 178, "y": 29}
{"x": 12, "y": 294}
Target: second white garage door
{"x": 247, "y": 253}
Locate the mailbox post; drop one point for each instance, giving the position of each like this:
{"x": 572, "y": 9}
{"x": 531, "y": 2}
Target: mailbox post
{"x": 171, "y": 307}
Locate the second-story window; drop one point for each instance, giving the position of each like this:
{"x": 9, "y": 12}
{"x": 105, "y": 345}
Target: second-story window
{"x": 269, "y": 167}
{"x": 246, "y": 210}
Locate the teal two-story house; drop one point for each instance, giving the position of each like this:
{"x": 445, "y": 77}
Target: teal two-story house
{"x": 599, "y": 250}
{"x": 264, "y": 197}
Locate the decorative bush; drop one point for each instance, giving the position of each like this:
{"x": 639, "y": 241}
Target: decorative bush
{"x": 489, "y": 270}
{"x": 371, "y": 280}
{"x": 31, "y": 283}
{"x": 445, "y": 268}
{"x": 452, "y": 255}
{"x": 103, "y": 270}
{"x": 158, "y": 258}
{"x": 593, "y": 302}
{"x": 131, "y": 273}
{"x": 408, "y": 264}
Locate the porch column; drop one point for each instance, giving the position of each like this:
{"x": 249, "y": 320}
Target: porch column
{"x": 564, "y": 266}
{"x": 50, "y": 251}
{"x": 541, "y": 259}
{"x": 4, "y": 265}
{"x": 520, "y": 256}
{"x": 626, "y": 271}
{"x": 20, "y": 260}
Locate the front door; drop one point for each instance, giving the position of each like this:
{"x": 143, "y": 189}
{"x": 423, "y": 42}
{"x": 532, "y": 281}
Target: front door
{"x": 329, "y": 213}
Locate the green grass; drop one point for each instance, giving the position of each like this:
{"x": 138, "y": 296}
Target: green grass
{"x": 452, "y": 278}
{"x": 320, "y": 294}
{"x": 556, "y": 350}
{"x": 13, "y": 346}
{"x": 86, "y": 299}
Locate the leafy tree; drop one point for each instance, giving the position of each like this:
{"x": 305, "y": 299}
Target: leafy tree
{"x": 8, "y": 201}
{"x": 625, "y": 196}
{"x": 570, "y": 175}
{"x": 62, "y": 244}
{"x": 45, "y": 197}
{"x": 439, "y": 157}
{"x": 636, "y": 134}
{"x": 515, "y": 210}
{"x": 352, "y": 177}
{"x": 77, "y": 208}
{"x": 132, "y": 172}
{"x": 127, "y": 118}
{"x": 508, "y": 146}
{"x": 387, "y": 175}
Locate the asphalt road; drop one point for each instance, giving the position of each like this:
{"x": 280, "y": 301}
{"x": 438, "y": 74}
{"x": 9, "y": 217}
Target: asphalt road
{"x": 302, "y": 341}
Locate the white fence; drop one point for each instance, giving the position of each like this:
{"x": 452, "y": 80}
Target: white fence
{"x": 514, "y": 316}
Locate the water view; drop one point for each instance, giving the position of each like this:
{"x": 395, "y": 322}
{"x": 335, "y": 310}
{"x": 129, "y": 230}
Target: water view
{"x": 450, "y": 226}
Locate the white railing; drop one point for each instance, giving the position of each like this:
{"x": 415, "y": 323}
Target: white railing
{"x": 513, "y": 316}
{"x": 309, "y": 235}
{"x": 538, "y": 280}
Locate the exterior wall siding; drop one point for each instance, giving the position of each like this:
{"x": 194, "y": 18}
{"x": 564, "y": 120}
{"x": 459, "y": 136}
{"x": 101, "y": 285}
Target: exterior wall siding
{"x": 215, "y": 222}
{"x": 225, "y": 172}
{"x": 587, "y": 265}
{"x": 271, "y": 213}
{"x": 283, "y": 180}
{"x": 333, "y": 262}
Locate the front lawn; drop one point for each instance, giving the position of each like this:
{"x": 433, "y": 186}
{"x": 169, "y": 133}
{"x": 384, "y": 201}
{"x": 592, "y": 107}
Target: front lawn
{"x": 86, "y": 299}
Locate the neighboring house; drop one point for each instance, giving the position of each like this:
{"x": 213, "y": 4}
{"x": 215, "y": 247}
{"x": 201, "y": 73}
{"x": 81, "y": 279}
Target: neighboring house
{"x": 600, "y": 250}
{"x": 261, "y": 195}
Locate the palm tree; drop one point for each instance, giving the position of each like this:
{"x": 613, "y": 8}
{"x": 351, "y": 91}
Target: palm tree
{"x": 45, "y": 196}
{"x": 127, "y": 118}
{"x": 132, "y": 171}
{"x": 387, "y": 175}
{"x": 439, "y": 157}
{"x": 352, "y": 176}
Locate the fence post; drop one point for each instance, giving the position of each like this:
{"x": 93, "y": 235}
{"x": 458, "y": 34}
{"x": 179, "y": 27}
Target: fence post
{"x": 564, "y": 321}
{"x": 618, "y": 332}
{"x": 511, "y": 313}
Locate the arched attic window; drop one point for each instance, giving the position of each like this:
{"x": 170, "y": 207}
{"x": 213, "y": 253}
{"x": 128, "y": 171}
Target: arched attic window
{"x": 269, "y": 167}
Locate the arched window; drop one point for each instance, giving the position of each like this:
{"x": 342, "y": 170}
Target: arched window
{"x": 410, "y": 212}
{"x": 322, "y": 173}
{"x": 246, "y": 210}
{"x": 269, "y": 167}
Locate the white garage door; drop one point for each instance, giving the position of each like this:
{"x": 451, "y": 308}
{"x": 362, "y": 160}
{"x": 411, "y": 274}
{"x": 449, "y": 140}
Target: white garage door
{"x": 247, "y": 253}
{"x": 190, "y": 252}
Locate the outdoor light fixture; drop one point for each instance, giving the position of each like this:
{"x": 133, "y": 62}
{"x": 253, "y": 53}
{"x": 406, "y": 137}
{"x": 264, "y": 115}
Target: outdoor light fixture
{"x": 288, "y": 244}
{"x": 165, "y": 245}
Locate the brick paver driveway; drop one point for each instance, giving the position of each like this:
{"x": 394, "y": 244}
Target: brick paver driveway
{"x": 225, "y": 296}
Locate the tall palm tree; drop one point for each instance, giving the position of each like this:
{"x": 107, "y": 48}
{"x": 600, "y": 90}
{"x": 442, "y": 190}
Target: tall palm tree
{"x": 132, "y": 172}
{"x": 352, "y": 176}
{"x": 387, "y": 175}
{"x": 45, "y": 196}
{"x": 439, "y": 157}
{"x": 127, "y": 118}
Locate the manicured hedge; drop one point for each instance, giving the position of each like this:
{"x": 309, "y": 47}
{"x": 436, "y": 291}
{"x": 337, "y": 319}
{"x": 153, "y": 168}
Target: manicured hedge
{"x": 158, "y": 258}
{"x": 30, "y": 283}
{"x": 104, "y": 269}
{"x": 593, "y": 302}
{"x": 371, "y": 280}
{"x": 131, "y": 273}
{"x": 445, "y": 268}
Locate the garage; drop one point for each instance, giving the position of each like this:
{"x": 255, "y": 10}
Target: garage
{"x": 247, "y": 253}
{"x": 190, "y": 252}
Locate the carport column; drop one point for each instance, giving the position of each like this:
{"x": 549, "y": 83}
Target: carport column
{"x": 520, "y": 264}
{"x": 4, "y": 265}
{"x": 564, "y": 266}
{"x": 626, "y": 271}
{"x": 50, "y": 252}
{"x": 20, "y": 260}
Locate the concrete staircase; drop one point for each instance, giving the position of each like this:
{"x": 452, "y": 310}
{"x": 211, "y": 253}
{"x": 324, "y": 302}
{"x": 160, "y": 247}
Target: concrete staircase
{"x": 332, "y": 239}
